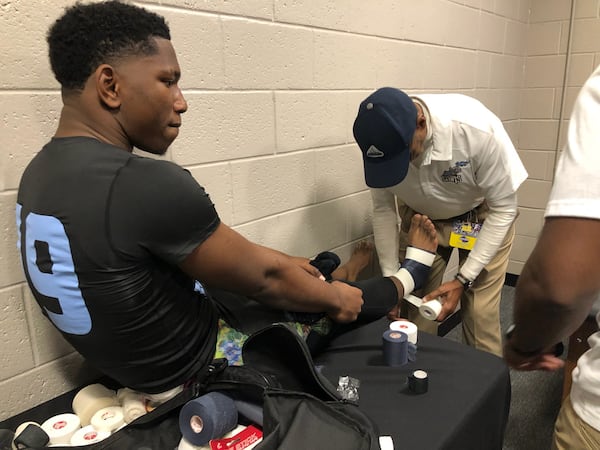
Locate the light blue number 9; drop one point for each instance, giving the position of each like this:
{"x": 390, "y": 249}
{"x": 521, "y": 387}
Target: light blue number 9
{"x": 62, "y": 283}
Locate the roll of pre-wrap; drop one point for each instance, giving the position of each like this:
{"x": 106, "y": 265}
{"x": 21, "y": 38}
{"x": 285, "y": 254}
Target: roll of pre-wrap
{"x": 61, "y": 428}
{"x": 108, "y": 419}
{"x": 88, "y": 435}
{"x": 30, "y": 435}
{"x": 409, "y": 328}
{"x": 395, "y": 348}
{"x": 133, "y": 404}
{"x": 431, "y": 309}
{"x": 207, "y": 417}
{"x": 93, "y": 398}
{"x": 418, "y": 382}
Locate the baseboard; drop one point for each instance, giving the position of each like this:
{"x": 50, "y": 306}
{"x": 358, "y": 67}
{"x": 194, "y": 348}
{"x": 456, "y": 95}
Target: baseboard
{"x": 511, "y": 279}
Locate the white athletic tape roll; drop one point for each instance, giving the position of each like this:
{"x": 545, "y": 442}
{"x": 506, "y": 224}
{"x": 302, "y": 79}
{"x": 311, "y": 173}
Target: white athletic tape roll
{"x": 431, "y": 309}
{"x": 93, "y": 398}
{"x": 88, "y": 435}
{"x": 133, "y": 404}
{"x": 61, "y": 428}
{"x": 157, "y": 399}
{"x": 386, "y": 443}
{"x": 409, "y": 328}
{"x": 126, "y": 392}
{"x": 108, "y": 419}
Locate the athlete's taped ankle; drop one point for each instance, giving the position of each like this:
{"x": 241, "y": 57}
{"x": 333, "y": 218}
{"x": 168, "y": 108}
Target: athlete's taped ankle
{"x": 414, "y": 269}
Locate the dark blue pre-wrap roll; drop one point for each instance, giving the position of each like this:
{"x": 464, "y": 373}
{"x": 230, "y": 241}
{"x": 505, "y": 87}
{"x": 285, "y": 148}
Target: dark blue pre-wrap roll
{"x": 395, "y": 348}
{"x": 207, "y": 417}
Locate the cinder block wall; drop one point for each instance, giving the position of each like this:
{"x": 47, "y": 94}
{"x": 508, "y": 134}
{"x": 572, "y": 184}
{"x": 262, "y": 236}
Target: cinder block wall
{"x": 273, "y": 87}
{"x": 563, "y": 48}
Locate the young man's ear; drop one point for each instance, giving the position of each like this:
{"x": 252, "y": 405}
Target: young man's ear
{"x": 107, "y": 87}
{"x": 421, "y": 121}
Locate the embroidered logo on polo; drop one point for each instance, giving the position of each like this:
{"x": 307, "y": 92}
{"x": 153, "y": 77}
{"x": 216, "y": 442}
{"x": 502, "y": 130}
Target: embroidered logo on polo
{"x": 374, "y": 152}
{"x": 453, "y": 174}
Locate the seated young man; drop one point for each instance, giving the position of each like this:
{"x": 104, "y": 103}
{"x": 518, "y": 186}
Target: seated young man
{"x": 126, "y": 255}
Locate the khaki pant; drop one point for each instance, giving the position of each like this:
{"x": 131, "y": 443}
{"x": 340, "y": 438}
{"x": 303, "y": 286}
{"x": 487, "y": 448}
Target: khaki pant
{"x": 570, "y": 432}
{"x": 480, "y": 305}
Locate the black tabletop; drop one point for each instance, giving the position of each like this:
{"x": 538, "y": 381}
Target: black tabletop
{"x": 466, "y": 405}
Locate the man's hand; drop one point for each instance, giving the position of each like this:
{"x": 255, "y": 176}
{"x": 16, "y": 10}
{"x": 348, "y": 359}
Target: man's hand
{"x": 349, "y": 304}
{"x": 449, "y": 294}
{"x": 305, "y": 264}
{"x": 394, "y": 313}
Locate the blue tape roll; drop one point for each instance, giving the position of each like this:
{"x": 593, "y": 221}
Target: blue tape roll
{"x": 207, "y": 417}
{"x": 395, "y": 348}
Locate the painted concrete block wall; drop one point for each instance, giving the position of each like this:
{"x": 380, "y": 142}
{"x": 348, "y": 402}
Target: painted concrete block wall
{"x": 273, "y": 87}
{"x": 563, "y": 48}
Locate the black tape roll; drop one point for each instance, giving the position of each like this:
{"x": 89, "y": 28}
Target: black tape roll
{"x": 418, "y": 382}
{"x": 32, "y": 436}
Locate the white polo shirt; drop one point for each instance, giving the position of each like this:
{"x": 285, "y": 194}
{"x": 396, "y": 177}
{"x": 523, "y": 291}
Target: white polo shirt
{"x": 468, "y": 157}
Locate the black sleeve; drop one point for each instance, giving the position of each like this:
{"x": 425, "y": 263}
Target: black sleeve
{"x": 157, "y": 208}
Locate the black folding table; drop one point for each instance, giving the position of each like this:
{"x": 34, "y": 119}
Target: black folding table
{"x": 466, "y": 405}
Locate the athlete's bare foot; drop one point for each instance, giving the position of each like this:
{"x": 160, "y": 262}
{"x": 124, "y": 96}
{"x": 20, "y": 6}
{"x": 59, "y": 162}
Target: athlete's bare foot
{"x": 422, "y": 233}
{"x": 362, "y": 253}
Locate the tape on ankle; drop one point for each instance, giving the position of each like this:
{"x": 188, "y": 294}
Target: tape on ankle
{"x": 414, "y": 269}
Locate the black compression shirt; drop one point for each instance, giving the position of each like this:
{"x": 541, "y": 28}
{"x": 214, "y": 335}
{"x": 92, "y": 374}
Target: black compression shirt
{"x": 101, "y": 232}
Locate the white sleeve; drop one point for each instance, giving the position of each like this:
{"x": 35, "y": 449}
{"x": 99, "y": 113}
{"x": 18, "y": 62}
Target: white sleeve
{"x": 385, "y": 230}
{"x": 576, "y": 188}
{"x": 501, "y": 215}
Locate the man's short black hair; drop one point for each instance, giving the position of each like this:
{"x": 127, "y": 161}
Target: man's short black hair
{"x": 88, "y": 35}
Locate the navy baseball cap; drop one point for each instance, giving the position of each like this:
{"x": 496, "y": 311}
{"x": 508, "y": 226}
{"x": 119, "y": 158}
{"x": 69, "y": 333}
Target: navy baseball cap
{"x": 383, "y": 129}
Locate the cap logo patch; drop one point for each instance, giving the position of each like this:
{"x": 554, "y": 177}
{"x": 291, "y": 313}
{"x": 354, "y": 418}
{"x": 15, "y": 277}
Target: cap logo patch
{"x": 374, "y": 152}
